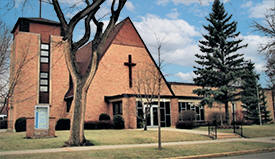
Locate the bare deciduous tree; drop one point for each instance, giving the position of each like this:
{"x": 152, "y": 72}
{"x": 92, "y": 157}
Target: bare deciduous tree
{"x": 5, "y": 40}
{"x": 11, "y": 69}
{"x": 146, "y": 85}
{"x": 268, "y": 29}
{"x": 85, "y": 12}
{"x": 81, "y": 82}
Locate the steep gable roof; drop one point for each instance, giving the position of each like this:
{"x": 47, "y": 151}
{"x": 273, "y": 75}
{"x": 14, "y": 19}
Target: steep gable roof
{"x": 147, "y": 50}
{"x": 120, "y": 36}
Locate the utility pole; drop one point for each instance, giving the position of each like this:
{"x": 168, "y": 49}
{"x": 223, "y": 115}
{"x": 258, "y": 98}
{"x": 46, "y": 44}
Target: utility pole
{"x": 159, "y": 85}
{"x": 259, "y": 107}
{"x": 234, "y": 117}
{"x": 40, "y": 8}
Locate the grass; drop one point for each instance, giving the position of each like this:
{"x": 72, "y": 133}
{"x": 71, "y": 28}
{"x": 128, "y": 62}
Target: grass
{"x": 250, "y": 131}
{"x": 168, "y": 151}
{"x": 16, "y": 141}
{"x": 259, "y": 131}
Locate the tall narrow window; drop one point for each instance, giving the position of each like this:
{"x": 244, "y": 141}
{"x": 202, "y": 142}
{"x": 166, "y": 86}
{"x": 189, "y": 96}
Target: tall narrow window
{"x": 185, "y": 106}
{"x": 117, "y": 108}
{"x": 44, "y": 73}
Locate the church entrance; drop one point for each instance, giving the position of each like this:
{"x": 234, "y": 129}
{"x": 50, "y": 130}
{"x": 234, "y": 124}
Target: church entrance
{"x": 152, "y": 118}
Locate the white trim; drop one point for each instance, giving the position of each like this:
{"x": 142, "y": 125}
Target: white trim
{"x": 151, "y": 114}
{"x": 196, "y": 101}
{"x": 48, "y": 111}
{"x": 153, "y": 100}
{"x": 38, "y": 69}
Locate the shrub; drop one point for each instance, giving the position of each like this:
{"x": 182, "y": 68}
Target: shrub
{"x": 104, "y": 116}
{"x": 118, "y": 122}
{"x": 63, "y": 124}
{"x": 3, "y": 124}
{"x": 248, "y": 122}
{"x": 215, "y": 117}
{"x": 188, "y": 115}
{"x": 20, "y": 125}
{"x": 99, "y": 125}
{"x": 186, "y": 124}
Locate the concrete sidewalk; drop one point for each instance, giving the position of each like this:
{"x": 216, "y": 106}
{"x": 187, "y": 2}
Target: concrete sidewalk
{"x": 85, "y": 148}
{"x": 220, "y": 135}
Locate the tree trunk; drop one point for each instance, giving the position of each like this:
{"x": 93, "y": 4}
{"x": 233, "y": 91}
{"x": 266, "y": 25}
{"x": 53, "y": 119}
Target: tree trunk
{"x": 226, "y": 113}
{"x": 221, "y": 117}
{"x": 77, "y": 137}
{"x": 81, "y": 84}
{"x": 145, "y": 120}
{"x": 145, "y": 125}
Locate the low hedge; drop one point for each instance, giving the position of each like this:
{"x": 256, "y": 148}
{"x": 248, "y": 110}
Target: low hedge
{"x": 3, "y": 124}
{"x": 104, "y": 124}
{"x": 118, "y": 122}
{"x": 63, "y": 124}
{"x": 104, "y": 116}
{"x": 187, "y": 115}
{"x": 186, "y": 124}
{"x": 20, "y": 125}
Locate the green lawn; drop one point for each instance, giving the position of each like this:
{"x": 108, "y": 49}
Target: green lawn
{"x": 16, "y": 141}
{"x": 250, "y": 131}
{"x": 168, "y": 151}
{"x": 259, "y": 131}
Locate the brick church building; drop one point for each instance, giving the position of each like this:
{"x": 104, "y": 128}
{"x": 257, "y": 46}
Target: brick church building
{"x": 43, "y": 93}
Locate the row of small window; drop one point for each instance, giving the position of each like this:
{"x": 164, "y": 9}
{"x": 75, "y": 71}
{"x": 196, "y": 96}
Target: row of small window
{"x": 44, "y": 81}
{"x": 187, "y": 106}
{"x": 44, "y": 53}
{"x": 44, "y": 76}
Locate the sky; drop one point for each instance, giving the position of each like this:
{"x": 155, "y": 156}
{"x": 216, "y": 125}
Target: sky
{"x": 178, "y": 24}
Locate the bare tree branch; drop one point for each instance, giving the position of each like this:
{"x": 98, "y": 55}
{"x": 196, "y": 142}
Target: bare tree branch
{"x": 87, "y": 34}
{"x": 113, "y": 19}
{"x": 60, "y": 15}
{"x": 82, "y": 81}
{"x": 268, "y": 48}
{"x": 87, "y": 2}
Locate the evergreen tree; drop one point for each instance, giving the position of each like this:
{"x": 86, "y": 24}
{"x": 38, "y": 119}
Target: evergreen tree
{"x": 249, "y": 94}
{"x": 265, "y": 114}
{"x": 219, "y": 65}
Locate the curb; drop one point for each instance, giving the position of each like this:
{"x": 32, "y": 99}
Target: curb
{"x": 224, "y": 154}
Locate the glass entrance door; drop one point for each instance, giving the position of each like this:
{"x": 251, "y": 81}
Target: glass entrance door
{"x": 152, "y": 117}
{"x": 155, "y": 116}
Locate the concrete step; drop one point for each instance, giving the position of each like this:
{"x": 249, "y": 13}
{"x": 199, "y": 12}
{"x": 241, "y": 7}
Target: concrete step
{"x": 227, "y": 135}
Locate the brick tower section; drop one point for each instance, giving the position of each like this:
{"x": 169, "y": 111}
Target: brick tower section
{"x": 29, "y": 35}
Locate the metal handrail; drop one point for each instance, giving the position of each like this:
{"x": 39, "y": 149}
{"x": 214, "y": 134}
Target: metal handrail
{"x": 212, "y": 132}
{"x": 238, "y": 129}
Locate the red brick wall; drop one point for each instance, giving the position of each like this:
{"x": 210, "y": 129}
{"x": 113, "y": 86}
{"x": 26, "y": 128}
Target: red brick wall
{"x": 45, "y": 31}
{"x": 25, "y": 92}
{"x": 174, "y": 111}
{"x": 268, "y": 94}
{"x": 59, "y": 78}
{"x": 38, "y": 133}
{"x": 129, "y": 112}
{"x": 112, "y": 77}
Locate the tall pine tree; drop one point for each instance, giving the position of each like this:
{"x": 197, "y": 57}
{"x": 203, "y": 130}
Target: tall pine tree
{"x": 249, "y": 94}
{"x": 265, "y": 114}
{"x": 219, "y": 65}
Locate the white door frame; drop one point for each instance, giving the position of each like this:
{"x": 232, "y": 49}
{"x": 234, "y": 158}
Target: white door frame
{"x": 151, "y": 115}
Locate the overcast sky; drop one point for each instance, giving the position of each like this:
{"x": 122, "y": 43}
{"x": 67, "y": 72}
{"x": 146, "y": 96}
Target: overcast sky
{"x": 178, "y": 23}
